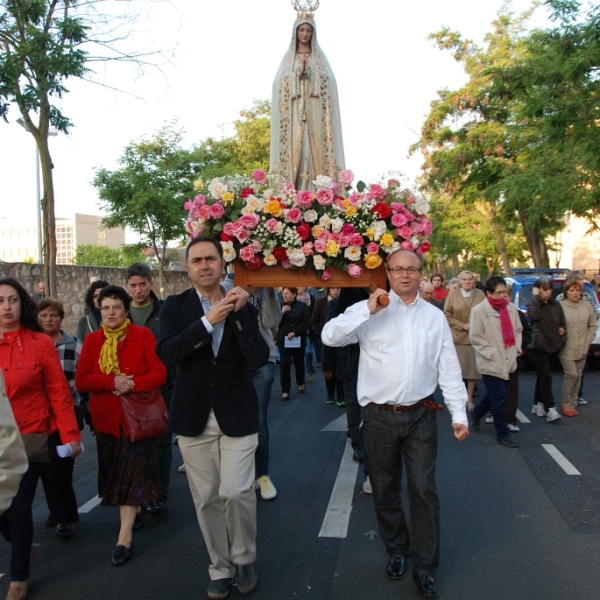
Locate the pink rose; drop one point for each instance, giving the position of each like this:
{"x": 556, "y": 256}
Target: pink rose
{"x": 397, "y": 205}
{"x": 348, "y": 229}
{"x": 404, "y": 232}
{"x": 320, "y": 245}
{"x": 271, "y": 225}
{"x": 407, "y": 246}
{"x": 408, "y": 214}
{"x": 376, "y": 192}
{"x": 356, "y": 239}
{"x": 199, "y": 199}
{"x": 427, "y": 226}
{"x": 335, "y": 237}
{"x": 286, "y": 264}
{"x": 259, "y": 176}
{"x": 216, "y": 211}
{"x": 417, "y": 228}
{"x": 256, "y": 246}
{"x": 393, "y": 183}
{"x": 354, "y": 198}
{"x": 248, "y": 221}
{"x": 408, "y": 196}
{"x": 303, "y": 231}
{"x": 229, "y": 228}
{"x": 346, "y": 177}
{"x": 344, "y": 241}
{"x": 354, "y": 270}
{"x": 188, "y": 205}
{"x": 304, "y": 198}
{"x": 307, "y": 248}
{"x": 288, "y": 187}
{"x": 372, "y": 248}
{"x": 327, "y": 274}
{"x": 293, "y": 214}
{"x": 325, "y": 196}
{"x": 241, "y": 234}
{"x": 335, "y": 186}
{"x": 203, "y": 212}
{"x": 399, "y": 220}
{"x": 246, "y": 253}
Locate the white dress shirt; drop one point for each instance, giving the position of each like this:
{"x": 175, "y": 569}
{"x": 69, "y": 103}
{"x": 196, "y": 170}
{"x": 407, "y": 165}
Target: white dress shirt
{"x": 405, "y": 351}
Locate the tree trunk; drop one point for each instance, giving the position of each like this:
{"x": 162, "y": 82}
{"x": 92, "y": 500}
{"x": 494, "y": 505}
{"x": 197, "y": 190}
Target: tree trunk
{"x": 488, "y": 210}
{"x": 535, "y": 242}
{"x": 455, "y": 265}
{"x": 161, "y": 276}
{"x": 48, "y": 217}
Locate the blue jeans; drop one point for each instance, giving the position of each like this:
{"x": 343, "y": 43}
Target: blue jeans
{"x": 495, "y": 402}
{"x": 393, "y": 441}
{"x": 262, "y": 380}
{"x": 308, "y": 356}
{"x": 16, "y": 524}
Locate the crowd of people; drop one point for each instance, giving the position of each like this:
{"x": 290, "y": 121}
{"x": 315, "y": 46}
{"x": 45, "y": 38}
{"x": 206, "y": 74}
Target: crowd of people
{"x": 211, "y": 351}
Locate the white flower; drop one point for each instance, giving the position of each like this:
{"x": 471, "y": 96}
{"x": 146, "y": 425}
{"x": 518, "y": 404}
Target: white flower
{"x": 197, "y": 225}
{"x": 414, "y": 240}
{"x": 323, "y": 181}
{"x": 380, "y": 228}
{"x": 310, "y": 216}
{"x": 337, "y": 224}
{"x": 228, "y": 251}
{"x": 352, "y": 253}
{"x": 297, "y": 257}
{"x": 421, "y": 206}
{"x": 254, "y": 203}
{"x": 267, "y": 195}
{"x": 279, "y": 227}
{"x": 269, "y": 259}
{"x": 216, "y": 188}
{"x": 325, "y": 221}
{"x": 318, "y": 261}
{"x": 393, "y": 248}
{"x": 247, "y": 210}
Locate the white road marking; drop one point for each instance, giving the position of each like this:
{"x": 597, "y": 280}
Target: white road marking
{"x": 337, "y": 517}
{"x": 339, "y": 424}
{"x": 89, "y": 505}
{"x": 563, "y": 463}
{"x": 522, "y": 418}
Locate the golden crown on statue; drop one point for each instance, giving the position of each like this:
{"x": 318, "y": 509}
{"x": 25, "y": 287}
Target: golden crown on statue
{"x": 305, "y": 8}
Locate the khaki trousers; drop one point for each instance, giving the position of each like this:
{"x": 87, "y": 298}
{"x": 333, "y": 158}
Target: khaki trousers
{"x": 572, "y": 381}
{"x": 220, "y": 472}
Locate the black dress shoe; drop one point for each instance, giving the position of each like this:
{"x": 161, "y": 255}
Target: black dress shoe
{"x": 396, "y": 568}
{"x": 50, "y": 521}
{"x": 139, "y": 518}
{"x": 121, "y": 555}
{"x": 246, "y": 579}
{"x": 358, "y": 455}
{"x": 475, "y": 423}
{"x": 63, "y": 531}
{"x": 427, "y": 585}
{"x": 158, "y": 507}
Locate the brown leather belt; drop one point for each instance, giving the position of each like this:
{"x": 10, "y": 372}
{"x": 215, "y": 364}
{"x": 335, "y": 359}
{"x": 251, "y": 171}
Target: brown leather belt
{"x": 400, "y": 408}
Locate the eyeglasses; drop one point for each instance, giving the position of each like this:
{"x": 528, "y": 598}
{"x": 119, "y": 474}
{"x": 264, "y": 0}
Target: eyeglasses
{"x": 402, "y": 270}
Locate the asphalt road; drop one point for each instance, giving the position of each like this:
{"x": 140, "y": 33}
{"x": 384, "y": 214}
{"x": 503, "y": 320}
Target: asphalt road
{"x": 514, "y": 523}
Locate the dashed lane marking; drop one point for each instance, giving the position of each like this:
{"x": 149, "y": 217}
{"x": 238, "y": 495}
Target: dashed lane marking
{"x": 339, "y": 424}
{"x": 337, "y": 517}
{"x": 563, "y": 463}
{"x": 89, "y": 505}
{"x": 522, "y": 418}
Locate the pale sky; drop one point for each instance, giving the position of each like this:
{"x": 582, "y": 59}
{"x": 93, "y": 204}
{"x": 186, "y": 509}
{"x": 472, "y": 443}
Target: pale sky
{"x": 227, "y": 54}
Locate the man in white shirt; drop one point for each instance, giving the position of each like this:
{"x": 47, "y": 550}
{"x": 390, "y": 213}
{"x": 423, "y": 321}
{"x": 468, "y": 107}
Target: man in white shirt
{"x": 406, "y": 349}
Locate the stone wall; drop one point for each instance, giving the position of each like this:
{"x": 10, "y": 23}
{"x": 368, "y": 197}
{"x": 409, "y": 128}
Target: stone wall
{"x": 73, "y": 281}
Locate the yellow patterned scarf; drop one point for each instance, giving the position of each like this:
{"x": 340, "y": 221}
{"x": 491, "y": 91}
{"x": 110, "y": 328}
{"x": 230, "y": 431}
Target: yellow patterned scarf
{"x": 109, "y": 362}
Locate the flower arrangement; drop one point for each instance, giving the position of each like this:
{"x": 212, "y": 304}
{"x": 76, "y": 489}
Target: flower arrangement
{"x": 336, "y": 226}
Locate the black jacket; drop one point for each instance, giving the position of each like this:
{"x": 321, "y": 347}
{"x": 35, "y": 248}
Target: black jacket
{"x": 204, "y": 381}
{"x": 546, "y": 318}
{"x": 297, "y": 319}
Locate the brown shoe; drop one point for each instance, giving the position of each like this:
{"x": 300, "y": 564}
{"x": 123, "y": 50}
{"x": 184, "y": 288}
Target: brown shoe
{"x": 17, "y": 590}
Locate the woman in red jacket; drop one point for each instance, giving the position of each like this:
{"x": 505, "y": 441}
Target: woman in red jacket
{"x": 41, "y": 402}
{"x": 117, "y": 359}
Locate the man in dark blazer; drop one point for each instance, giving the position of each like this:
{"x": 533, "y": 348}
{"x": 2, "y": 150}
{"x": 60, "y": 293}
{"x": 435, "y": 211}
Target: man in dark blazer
{"x": 213, "y": 339}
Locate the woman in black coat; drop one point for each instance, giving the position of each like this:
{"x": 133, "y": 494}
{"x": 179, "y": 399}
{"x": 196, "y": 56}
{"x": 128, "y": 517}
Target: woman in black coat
{"x": 291, "y": 340}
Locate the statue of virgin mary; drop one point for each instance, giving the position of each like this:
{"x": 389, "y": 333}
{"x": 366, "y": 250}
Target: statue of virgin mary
{"x": 306, "y": 129}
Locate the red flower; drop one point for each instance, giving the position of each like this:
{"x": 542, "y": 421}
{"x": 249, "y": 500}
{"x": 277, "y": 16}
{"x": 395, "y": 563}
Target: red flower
{"x": 425, "y": 246}
{"x": 255, "y": 263}
{"x": 382, "y": 209}
{"x": 303, "y": 231}
{"x": 246, "y": 192}
{"x": 280, "y": 254}
{"x": 226, "y": 238}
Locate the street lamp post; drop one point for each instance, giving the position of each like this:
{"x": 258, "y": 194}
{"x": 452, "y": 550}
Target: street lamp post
{"x": 38, "y": 206}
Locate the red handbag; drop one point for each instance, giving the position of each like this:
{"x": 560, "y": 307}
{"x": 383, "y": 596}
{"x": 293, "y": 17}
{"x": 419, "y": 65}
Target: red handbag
{"x": 145, "y": 413}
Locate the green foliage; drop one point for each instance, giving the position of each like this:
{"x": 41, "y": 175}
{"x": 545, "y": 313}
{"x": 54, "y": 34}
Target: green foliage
{"x": 103, "y": 256}
{"x": 246, "y": 150}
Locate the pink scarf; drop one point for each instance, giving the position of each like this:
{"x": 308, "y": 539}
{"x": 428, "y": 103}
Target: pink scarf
{"x": 508, "y": 333}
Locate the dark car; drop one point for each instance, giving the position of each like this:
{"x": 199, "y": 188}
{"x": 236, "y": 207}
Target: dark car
{"x": 522, "y": 281}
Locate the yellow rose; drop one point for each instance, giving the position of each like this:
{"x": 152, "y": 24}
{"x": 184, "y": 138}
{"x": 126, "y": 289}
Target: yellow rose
{"x": 351, "y": 211}
{"x": 198, "y": 184}
{"x": 370, "y": 233}
{"x": 332, "y": 248}
{"x": 317, "y": 230}
{"x": 273, "y": 208}
{"x": 228, "y": 197}
{"x": 372, "y": 261}
{"x": 386, "y": 239}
